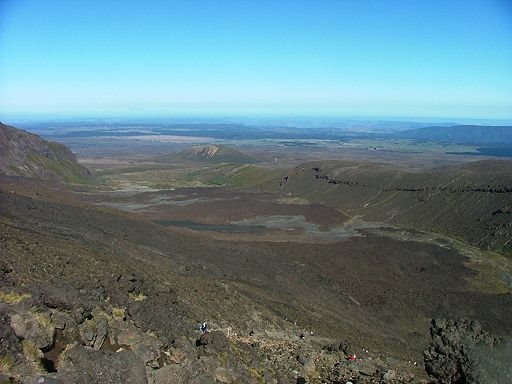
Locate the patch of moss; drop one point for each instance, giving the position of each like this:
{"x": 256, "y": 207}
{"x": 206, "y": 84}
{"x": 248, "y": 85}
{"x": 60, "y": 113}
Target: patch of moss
{"x": 222, "y": 357}
{"x": 6, "y": 363}
{"x": 137, "y": 297}
{"x": 233, "y": 346}
{"x": 219, "y": 180}
{"x": 13, "y": 297}
{"x": 118, "y": 313}
{"x": 33, "y": 355}
{"x": 257, "y": 375}
{"x": 43, "y": 319}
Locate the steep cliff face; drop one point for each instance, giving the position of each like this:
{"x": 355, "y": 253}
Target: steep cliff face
{"x": 26, "y": 154}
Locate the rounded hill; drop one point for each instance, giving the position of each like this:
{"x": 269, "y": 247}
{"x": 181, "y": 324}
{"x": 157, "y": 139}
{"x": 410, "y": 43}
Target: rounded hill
{"x": 215, "y": 154}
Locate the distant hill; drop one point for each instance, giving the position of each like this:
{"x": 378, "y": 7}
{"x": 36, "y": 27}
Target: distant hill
{"x": 25, "y": 154}
{"x": 462, "y": 134}
{"x": 215, "y": 154}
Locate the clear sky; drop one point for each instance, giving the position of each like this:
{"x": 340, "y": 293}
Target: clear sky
{"x": 450, "y": 58}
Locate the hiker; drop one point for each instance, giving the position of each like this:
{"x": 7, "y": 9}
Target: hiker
{"x": 204, "y": 327}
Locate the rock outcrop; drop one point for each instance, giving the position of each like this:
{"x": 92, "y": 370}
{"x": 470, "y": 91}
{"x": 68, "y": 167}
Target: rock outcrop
{"x": 461, "y": 352}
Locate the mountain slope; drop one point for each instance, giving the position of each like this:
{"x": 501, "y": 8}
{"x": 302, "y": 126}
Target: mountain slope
{"x": 471, "y": 202}
{"x": 26, "y": 154}
{"x": 113, "y": 298}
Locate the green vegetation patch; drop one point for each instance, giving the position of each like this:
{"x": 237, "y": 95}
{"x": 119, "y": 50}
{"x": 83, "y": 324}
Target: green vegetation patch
{"x": 13, "y": 297}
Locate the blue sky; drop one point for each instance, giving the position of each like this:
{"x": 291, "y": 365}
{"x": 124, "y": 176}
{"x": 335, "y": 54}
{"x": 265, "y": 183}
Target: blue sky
{"x": 319, "y": 57}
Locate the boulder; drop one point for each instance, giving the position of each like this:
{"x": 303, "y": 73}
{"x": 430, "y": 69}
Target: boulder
{"x": 389, "y": 375}
{"x": 461, "y": 352}
{"x": 194, "y": 371}
{"x": 83, "y": 365}
{"x": 215, "y": 341}
{"x": 93, "y": 332}
{"x": 153, "y": 314}
{"x": 101, "y": 333}
{"x": 129, "y": 336}
{"x": 341, "y": 346}
{"x": 148, "y": 351}
{"x": 80, "y": 313}
{"x": 61, "y": 320}
{"x": 87, "y": 331}
{"x": 34, "y": 326}
{"x": 59, "y": 298}
{"x": 48, "y": 380}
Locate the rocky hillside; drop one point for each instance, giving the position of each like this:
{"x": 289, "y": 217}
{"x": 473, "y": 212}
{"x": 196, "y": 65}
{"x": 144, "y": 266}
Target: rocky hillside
{"x": 472, "y": 202}
{"x": 94, "y": 296}
{"x": 215, "y": 154}
{"x": 26, "y": 154}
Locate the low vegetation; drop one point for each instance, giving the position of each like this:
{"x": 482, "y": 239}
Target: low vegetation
{"x": 13, "y": 297}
